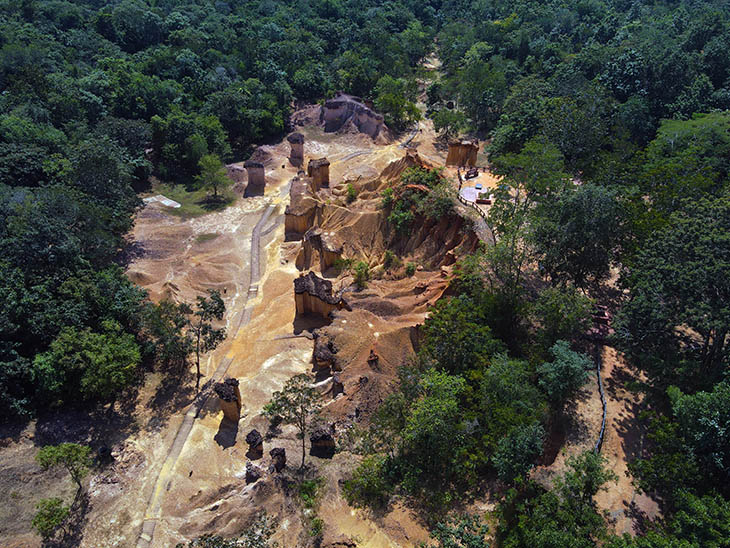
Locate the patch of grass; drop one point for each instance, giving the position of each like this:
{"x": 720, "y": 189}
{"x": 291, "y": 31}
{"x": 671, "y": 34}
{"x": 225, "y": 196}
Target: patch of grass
{"x": 193, "y": 202}
{"x": 207, "y": 237}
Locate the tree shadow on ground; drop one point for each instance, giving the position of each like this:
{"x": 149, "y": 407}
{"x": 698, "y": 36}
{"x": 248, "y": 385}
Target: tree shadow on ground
{"x": 96, "y": 427}
{"x": 215, "y": 203}
{"x": 172, "y": 396}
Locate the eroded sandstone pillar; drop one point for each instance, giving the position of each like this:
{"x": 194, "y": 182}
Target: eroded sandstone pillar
{"x": 296, "y": 156}
{"x": 319, "y": 171}
{"x": 230, "y": 399}
{"x": 462, "y": 153}
{"x": 256, "y": 174}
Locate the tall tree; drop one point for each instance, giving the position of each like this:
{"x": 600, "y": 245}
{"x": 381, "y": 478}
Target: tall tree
{"x": 205, "y": 336}
{"x": 213, "y": 174}
{"x": 298, "y": 403}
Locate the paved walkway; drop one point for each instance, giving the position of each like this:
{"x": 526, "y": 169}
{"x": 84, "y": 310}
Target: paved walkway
{"x": 162, "y": 484}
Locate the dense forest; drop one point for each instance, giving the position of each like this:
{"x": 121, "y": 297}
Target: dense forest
{"x": 607, "y": 120}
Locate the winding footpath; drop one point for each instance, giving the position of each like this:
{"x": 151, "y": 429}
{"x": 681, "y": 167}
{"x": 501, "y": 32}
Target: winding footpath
{"x": 162, "y": 483}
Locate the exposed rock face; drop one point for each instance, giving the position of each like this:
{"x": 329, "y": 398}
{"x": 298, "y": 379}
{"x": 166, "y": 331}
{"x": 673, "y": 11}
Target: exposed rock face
{"x": 313, "y": 295}
{"x": 230, "y": 398}
{"x": 303, "y": 210}
{"x": 338, "y": 386}
{"x": 255, "y": 443}
{"x": 235, "y": 173}
{"x": 296, "y": 156}
{"x": 317, "y": 242}
{"x": 319, "y": 171}
{"x": 253, "y": 473}
{"x": 323, "y": 442}
{"x": 324, "y": 356}
{"x": 462, "y": 153}
{"x": 256, "y": 173}
{"x": 346, "y": 112}
{"x": 278, "y": 458}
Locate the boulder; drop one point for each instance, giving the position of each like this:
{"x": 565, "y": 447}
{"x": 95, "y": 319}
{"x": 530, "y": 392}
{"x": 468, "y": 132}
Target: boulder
{"x": 338, "y": 386}
{"x": 253, "y": 473}
{"x": 255, "y": 443}
{"x": 278, "y": 459}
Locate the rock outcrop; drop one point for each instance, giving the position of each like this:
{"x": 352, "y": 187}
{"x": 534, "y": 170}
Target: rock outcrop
{"x": 347, "y": 112}
{"x": 255, "y": 442}
{"x": 319, "y": 171}
{"x": 278, "y": 458}
{"x": 324, "y": 356}
{"x": 253, "y": 473}
{"x": 323, "y": 442}
{"x": 303, "y": 211}
{"x": 230, "y": 398}
{"x": 313, "y": 296}
{"x": 256, "y": 174}
{"x": 236, "y": 173}
{"x": 296, "y": 155}
{"x": 462, "y": 153}
{"x": 317, "y": 243}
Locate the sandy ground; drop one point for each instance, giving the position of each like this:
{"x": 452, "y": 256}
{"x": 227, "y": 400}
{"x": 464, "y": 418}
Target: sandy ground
{"x": 201, "y": 488}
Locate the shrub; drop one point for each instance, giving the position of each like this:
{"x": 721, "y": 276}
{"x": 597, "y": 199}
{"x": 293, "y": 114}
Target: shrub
{"x": 342, "y": 265}
{"x": 386, "y": 198}
{"x": 391, "y": 260}
{"x": 368, "y": 486}
{"x": 410, "y": 269}
{"x": 362, "y": 274}
{"x": 351, "y": 193}
{"x": 51, "y": 514}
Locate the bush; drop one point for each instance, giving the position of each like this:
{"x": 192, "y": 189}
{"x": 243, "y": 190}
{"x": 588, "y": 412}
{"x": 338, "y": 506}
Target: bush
{"x": 362, "y": 274}
{"x": 390, "y": 260}
{"x": 351, "y": 193}
{"x": 368, "y": 486}
{"x": 51, "y": 514}
{"x": 386, "y": 198}
{"x": 342, "y": 265}
{"x": 410, "y": 269}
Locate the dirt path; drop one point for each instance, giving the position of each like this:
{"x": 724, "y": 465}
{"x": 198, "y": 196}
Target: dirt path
{"x": 162, "y": 483}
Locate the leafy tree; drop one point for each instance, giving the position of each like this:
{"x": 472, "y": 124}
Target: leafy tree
{"x": 564, "y": 516}
{"x": 433, "y": 432}
{"x": 96, "y": 365}
{"x": 561, "y": 313}
{"x": 577, "y": 237}
{"x": 76, "y": 459}
{"x": 517, "y": 451}
{"x": 680, "y": 278}
{"x": 298, "y": 403}
{"x": 206, "y": 337}
{"x": 448, "y": 122}
{"x": 50, "y": 516}
{"x": 565, "y": 375}
{"x": 392, "y": 98}
{"x": 456, "y": 337}
{"x": 165, "y": 323}
{"x": 704, "y": 422}
{"x": 368, "y": 486}
{"x": 213, "y": 174}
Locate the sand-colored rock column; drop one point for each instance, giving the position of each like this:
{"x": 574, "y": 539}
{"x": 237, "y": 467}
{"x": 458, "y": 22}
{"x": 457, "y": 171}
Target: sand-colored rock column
{"x": 462, "y": 153}
{"x": 319, "y": 171}
{"x": 256, "y": 173}
{"x": 296, "y": 156}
